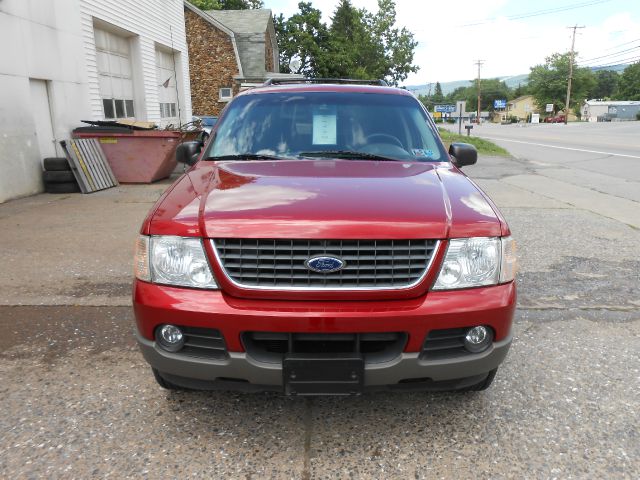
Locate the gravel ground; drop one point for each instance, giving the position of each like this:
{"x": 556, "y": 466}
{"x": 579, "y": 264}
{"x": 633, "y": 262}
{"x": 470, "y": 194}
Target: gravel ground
{"x": 565, "y": 405}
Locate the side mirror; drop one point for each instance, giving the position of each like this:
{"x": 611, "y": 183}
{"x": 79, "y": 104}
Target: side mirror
{"x": 463, "y": 154}
{"x": 188, "y": 152}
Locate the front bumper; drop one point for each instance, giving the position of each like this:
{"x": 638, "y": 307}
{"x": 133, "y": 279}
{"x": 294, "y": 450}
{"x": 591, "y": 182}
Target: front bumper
{"x": 155, "y": 305}
{"x": 240, "y": 367}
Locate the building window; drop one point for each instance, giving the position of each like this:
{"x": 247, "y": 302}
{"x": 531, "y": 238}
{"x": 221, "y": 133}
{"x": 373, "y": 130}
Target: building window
{"x": 166, "y": 67}
{"x": 114, "y": 73}
{"x": 117, "y": 108}
{"x": 168, "y": 110}
{"x": 226, "y": 94}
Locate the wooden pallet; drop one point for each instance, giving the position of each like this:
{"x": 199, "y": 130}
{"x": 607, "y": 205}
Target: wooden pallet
{"x": 89, "y": 164}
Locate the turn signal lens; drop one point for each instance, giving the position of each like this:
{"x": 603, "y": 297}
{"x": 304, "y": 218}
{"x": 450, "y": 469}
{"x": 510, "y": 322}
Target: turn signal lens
{"x": 509, "y": 266}
{"x": 141, "y": 259}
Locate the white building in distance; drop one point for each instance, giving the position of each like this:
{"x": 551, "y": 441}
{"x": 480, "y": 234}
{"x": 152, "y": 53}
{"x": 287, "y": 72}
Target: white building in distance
{"x": 610, "y": 110}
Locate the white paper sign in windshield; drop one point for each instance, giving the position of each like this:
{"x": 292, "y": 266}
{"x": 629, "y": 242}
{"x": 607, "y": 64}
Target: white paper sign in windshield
{"x": 324, "y": 125}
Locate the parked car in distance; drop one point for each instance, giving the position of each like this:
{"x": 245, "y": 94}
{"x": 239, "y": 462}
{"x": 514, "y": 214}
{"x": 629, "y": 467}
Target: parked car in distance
{"x": 555, "y": 119}
{"x": 325, "y": 242}
{"x": 207, "y": 122}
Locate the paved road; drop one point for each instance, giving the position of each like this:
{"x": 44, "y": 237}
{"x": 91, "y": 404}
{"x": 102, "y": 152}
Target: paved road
{"x": 593, "y": 166}
{"x": 78, "y": 401}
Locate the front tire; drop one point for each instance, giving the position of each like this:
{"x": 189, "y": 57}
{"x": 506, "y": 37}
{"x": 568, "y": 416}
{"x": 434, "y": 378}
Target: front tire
{"x": 484, "y": 384}
{"x": 164, "y": 383}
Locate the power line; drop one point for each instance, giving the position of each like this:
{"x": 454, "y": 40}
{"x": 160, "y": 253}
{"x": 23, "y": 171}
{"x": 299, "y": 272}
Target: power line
{"x": 537, "y": 13}
{"x": 623, "y": 44}
{"x": 621, "y": 52}
{"x": 621, "y": 61}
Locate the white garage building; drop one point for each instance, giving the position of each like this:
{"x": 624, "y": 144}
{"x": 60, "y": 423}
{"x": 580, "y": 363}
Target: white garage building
{"x": 64, "y": 61}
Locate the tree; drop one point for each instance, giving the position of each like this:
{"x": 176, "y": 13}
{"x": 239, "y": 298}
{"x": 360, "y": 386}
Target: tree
{"x": 548, "y": 82}
{"x": 353, "y": 51}
{"x": 358, "y": 44}
{"x": 490, "y": 88}
{"x": 520, "y": 90}
{"x": 629, "y": 83}
{"x": 302, "y": 37}
{"x": 227, "y": 4}
{"x": 398, "y": 45}
{"x": 606, "y": 84}
{"x": 438, "y": 97}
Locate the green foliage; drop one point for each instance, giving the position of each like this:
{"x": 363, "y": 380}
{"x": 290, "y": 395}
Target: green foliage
{"x": 629, "y": 83}
{"x": 357, "y": 44}
{"x": 491, "y": 89}
{"x": 438, "y": 97}
{"x": 484, "y": 147}
{"x": 303, "y": 37}
{"x": 606, "y": 84}
{"x": 548, "y": 82}
{"x": 521, "y": 90}
{"x": 351, "y": 27}
{"x": 227, "y": 4}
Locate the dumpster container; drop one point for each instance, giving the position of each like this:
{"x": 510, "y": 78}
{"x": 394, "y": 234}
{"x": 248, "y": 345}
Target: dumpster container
{"x": 136, "y": 156}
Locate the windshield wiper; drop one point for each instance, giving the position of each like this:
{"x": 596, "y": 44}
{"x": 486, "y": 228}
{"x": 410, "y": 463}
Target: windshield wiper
{"x": 347, "y": 155}
{"x": 247, "y": 156}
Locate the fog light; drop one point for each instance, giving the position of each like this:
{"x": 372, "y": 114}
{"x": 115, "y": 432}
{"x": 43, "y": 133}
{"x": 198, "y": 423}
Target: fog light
{"x": 170, "y": 338}
{"x": 478, "y": 339}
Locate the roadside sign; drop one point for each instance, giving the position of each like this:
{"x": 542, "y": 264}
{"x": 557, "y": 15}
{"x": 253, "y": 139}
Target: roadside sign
{"x": 461, "y": 107}
{"x": 445, "y": 108}
{"x": 549, "y": 108}
{"x": 535, "y": 118}
{"x": 499, "y": 104}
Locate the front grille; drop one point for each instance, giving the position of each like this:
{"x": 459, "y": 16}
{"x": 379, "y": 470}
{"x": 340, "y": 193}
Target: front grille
{"x": 203, "y": 343}
{"x": 272, "y": 347}
{"x": 446, "y": 343}
{"x": 369, "y": 264}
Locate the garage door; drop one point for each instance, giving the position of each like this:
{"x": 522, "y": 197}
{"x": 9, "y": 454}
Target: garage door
{"x": 114, "y": 70}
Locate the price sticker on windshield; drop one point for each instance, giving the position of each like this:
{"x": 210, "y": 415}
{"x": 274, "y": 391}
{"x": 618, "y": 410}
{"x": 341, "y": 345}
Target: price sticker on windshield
{"x": 325, "y": 125}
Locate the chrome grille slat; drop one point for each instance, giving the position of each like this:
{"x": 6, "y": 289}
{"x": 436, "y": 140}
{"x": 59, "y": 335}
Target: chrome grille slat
{"x": 370, "y": 264}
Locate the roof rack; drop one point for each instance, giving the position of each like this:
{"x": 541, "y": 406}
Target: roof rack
{"x": 284, "y": 81}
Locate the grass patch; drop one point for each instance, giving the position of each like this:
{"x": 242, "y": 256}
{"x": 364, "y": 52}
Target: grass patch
{"x": 484, "y": 147}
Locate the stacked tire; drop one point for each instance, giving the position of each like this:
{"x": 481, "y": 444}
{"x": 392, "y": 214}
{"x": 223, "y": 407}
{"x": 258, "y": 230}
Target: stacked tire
{"x": 58, "y": 177}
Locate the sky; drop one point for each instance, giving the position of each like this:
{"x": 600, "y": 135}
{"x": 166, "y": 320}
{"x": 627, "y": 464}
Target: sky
{"x": 453, "y": 34}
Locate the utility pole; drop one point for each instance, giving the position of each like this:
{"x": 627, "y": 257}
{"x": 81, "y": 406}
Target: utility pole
{"x": 573, "y": 44}
{"x": 479, "y": 63}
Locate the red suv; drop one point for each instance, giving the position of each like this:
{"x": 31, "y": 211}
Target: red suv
{"x": 324, "y": 242}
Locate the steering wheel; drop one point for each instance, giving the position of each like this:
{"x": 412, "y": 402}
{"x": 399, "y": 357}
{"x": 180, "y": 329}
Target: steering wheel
{"x": 383, "y": 137}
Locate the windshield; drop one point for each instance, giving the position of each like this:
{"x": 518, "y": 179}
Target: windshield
{"x": 326, "y": 124}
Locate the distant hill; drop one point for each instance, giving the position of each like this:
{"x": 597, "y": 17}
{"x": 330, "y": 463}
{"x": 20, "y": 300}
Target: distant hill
{"x": 512, "y": 81}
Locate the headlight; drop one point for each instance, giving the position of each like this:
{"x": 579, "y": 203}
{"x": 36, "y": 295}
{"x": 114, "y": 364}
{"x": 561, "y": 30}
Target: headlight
{"x": 475, "y": 262}
{"x": 173, "y": 261}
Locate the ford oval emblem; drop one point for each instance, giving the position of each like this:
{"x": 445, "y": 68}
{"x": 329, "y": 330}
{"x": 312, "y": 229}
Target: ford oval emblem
{"x": 324, "y": 264}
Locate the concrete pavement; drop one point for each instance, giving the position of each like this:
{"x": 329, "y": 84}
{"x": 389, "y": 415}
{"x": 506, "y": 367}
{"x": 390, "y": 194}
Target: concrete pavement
{"x": 591, "y": 166}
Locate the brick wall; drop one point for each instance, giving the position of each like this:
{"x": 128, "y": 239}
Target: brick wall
{"x": 268, "y": 53}
{"x": 212, "y": 64}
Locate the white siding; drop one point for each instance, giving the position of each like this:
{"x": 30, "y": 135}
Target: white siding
{"x": 152, "y": 22}
{"x": 40, "y": 41}
{"x": 53, "y": 41}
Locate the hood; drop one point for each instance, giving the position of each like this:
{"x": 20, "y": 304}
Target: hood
{"x": 342, "y": 199}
